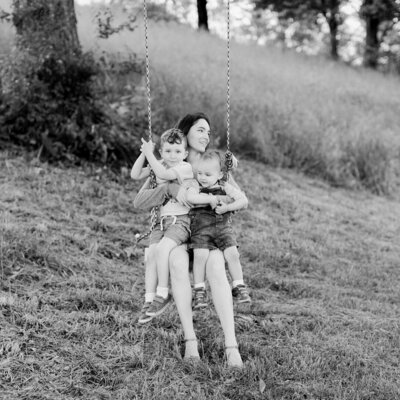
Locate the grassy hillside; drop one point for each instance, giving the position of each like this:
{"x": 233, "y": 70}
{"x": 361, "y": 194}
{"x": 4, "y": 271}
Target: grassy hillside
{"x": 318, "y": 117}
{"x": 288, "y": 110}
{"x": 322, "y": 264}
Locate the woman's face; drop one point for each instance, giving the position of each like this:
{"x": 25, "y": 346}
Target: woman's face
{"x": 198, "y": 136}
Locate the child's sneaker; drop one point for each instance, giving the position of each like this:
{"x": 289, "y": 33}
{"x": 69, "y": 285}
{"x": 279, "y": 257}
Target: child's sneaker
{"x": 200, "y": 298}
{"x": 241, "y": 294}
{"x": 144, "y": 318}
{"x": 158, "y": 306}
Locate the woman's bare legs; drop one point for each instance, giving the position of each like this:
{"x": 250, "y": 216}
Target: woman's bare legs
{"x": 222, "y": 298}
{"x": 182, "y": 291}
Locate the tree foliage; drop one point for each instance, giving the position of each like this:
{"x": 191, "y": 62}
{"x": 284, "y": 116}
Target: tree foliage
{"x": 380, "y": 17}
{"x": 308, "y": 11}
{"x": 50, "y": 100}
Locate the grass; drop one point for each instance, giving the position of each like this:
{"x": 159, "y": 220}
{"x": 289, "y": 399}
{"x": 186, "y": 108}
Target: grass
{"x": 322, "y": 264}
{"x": 318, "y": 117}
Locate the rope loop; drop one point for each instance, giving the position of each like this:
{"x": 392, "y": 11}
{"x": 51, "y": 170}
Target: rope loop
{"x": 228, "y": 165}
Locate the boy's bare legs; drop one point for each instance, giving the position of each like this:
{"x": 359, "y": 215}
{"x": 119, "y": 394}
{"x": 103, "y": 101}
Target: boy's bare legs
{"x": 150, "y": 279}
{"x": 222, "y": 297}
{"x": 232, "y": 257}
{"x": 162, "y": 298}
{"x": 199, "y": 275}
{"x": 182, "y": 291}
{"x": 239, "y": 288}
{"x": 163, "y": 250}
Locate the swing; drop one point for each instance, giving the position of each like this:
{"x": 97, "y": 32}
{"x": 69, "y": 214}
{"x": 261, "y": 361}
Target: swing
{"x": 228, "y": 153}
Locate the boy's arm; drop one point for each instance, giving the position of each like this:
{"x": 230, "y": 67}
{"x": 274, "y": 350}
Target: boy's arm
{"x": 148, "y": 198}
{"x": 138, "y": 171}
{"x": 196, "y": 198}
{"x": 159, "y": 169}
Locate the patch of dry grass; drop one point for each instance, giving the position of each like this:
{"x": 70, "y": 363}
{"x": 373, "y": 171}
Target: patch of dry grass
{"x": 322, "y": 264}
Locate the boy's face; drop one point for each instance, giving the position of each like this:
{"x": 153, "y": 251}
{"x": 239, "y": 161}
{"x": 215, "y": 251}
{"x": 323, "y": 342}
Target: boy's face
{"x": 208, "y": 172}
{"x": 173, "y": 153}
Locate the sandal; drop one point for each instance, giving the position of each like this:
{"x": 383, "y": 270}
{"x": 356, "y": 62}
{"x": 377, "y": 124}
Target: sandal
{"x": 195, "y": 354}
{"x": 233, "y": 358}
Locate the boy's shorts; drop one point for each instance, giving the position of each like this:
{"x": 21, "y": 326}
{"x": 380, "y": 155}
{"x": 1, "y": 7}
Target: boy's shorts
{"x": 175, "y": 227}
{"x": 211, "y": 232}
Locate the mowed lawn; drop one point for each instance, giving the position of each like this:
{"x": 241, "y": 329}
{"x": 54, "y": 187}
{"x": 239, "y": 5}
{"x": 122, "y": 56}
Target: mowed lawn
{"x": 323, "y": 265}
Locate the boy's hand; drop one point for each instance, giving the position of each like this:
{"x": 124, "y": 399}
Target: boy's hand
{"x": 221, "y": 208}
{"x": 147, "y": 147}
{"x": 213, "y": 201}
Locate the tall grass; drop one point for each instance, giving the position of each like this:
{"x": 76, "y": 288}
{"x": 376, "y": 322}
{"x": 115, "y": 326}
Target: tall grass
{"x": 287, "y": 110}
{"x": 310, "y": 114}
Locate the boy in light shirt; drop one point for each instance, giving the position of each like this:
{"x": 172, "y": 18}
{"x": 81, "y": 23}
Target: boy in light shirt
{"x": 172, "y": 227}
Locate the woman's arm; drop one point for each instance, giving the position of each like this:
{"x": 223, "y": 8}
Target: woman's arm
{"x": 148, "y": 198}
{"x": 239, "y": 199}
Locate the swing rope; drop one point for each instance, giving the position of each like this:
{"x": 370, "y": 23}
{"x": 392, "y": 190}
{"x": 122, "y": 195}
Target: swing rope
{"x": 228, "y": 153}
{"x": 153, "y": 178}
{"x": 146, "y": 44}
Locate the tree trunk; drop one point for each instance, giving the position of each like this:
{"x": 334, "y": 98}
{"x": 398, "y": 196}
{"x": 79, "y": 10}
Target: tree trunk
{"x": 333, "y": 34}
{"x": 46, "y": 26}
{"x": 202, "y": 14}
{"x": 371, "y": 52}
{"x": 331, "y": 12}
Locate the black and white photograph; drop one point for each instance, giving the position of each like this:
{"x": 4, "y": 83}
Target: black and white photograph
{"x": 200, "y": 199}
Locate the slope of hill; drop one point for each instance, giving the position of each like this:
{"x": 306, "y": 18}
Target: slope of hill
{"x": 289, "y": 110}
{"x": 307, "y": 113}
{"x": 322, "y": 264}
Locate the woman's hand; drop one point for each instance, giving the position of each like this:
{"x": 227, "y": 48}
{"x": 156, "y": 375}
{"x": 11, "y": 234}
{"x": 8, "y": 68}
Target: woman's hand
{"x": 221, "y": 208}
{"x": 235, "y": 162}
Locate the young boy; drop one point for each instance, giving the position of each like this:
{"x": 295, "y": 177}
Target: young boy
{"x": 173, "y": 223}
{"x": 212, "y": 229}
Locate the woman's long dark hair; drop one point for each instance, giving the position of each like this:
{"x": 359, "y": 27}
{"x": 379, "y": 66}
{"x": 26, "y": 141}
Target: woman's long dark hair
{"x": 189, "y": 120}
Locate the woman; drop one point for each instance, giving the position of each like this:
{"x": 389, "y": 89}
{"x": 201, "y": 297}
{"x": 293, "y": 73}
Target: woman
{"x": 196, "y": 127}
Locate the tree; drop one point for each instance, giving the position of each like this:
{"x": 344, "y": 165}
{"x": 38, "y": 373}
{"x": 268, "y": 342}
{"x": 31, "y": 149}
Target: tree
{"x": 44, "y": 24}
{"x": 202, "y": 14}
{"x": 50, "y": 98}
{"x": 309, "y": 11}
{"x": 376, "y": 13}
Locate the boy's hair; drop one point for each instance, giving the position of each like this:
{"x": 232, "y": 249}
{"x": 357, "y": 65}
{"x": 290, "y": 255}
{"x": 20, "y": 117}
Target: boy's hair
{"x": 217, "y": 155}
{"x": 173, "y": 136}
{"x": 214, "y": 155}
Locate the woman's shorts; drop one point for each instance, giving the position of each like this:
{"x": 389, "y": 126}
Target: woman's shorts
{"x": 175, "y": 227}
